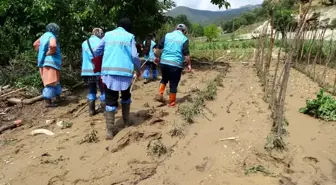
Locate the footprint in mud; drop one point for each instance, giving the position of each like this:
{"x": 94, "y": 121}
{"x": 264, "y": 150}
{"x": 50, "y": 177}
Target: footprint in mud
{"x": 311, "y": 160}
{"x": 134, "y": 136}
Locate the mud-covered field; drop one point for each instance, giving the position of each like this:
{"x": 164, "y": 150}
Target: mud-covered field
{"x": 223, "y": 146}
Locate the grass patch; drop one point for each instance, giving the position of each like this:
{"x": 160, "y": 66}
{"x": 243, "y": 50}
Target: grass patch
{"x": 323, "y": 107}
{"x": 156, "y": 148}
{"x": 189, "y": 110}
{"x": 258, "y": 168}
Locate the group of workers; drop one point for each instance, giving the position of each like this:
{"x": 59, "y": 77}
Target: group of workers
{"x": 120, "y": 59}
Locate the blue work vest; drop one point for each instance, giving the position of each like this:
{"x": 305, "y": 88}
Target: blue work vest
{"x": 172, "y": 51}
{"x": 54, "y": 61}
{"x": 87, "y": 66}
{"x": 117, "y": 59}
{"x": 150, "y": 56}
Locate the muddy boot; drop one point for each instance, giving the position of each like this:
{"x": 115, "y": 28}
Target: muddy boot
{"x": 110, "y": 127}
{"x": 125, "y": 114}
{"x": 49, "y": 103}
{"x": 159, "y": 97}
{"x": 103, "y": 107}
{"x": 58, "y": 99}
{"x": 92, "y": 108}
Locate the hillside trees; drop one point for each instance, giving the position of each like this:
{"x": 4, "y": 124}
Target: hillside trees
{"x": 257, "y": 15}
{"x": 23, "y": 21}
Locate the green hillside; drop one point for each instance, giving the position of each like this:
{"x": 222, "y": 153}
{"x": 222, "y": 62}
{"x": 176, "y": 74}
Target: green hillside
{"x": 207, "y": 17}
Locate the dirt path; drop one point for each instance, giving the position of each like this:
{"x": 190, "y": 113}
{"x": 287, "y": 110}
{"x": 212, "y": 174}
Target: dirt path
{"x": 191, "y": 154}
{"x": 201, "y": 158}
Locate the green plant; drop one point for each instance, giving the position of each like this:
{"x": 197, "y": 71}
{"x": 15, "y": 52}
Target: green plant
{"x": 323, "y": 107}
{"x": 211, "y": 32}
{"x": 189, "y": 110}
{"x": 256, "y": 169}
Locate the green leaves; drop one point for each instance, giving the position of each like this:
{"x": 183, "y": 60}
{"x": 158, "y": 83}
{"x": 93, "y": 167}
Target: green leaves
{"x": 221, "y": 3}
{"x": 323, "y": 107}
{"x": 211, "y": 32}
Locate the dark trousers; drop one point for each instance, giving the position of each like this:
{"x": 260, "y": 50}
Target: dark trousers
{"x": 172, "y": 75}
{"x": 113, "y": 96}
{"x": 93, "y": 87}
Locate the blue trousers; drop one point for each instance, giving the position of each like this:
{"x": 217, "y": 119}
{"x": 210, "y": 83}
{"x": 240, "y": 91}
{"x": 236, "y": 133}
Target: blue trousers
{"x": 148, "y": 67}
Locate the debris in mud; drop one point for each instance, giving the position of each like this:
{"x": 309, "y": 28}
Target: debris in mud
{"x": 156, "y": 148}
{"x": 90, "y": 137}
{"x": 176, "y": 132}
{"x": 228, "y": 107}
{"x": 134, "y": 136}
{"x": 64, "y": 124}
{"x": 258, "y": 168}
{"x": 46, "y": 154}
{"x": 53, "y": 161}
{"x": 16, "y": 124}
{"x": 152, "y": 115}
{"x": 145, "y": 114}
{"x": 146, "y": 105}
{"x": 310, "y": 159}
{"x": 155, "y": 120}
{"x": 42, "y": 131}
{"x": 202, "y": 166}
{"x": 49, "y": 122}
{"x": 230, "y": 138}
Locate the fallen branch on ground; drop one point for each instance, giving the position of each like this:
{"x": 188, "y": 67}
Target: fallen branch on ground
{"x": 10, "y": 126}
{"x": 37, "y": 98}
{"x": 11, "y": 92}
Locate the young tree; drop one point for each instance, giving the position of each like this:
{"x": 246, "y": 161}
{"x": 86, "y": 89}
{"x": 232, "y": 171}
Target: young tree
{"x": 211, "y": 32}
{"x": 283, "y": 20}
{"x": 197, "y": 30}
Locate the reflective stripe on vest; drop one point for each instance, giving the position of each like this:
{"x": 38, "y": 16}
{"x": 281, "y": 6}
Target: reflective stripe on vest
{"x": 118, "y": 69}
{"x": 173, "y": 63}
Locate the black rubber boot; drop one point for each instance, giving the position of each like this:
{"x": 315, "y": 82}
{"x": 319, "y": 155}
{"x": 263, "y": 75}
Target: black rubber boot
{"x": 92, "y": 108}
{"x": 49, "y": 103}
{"x": 58, "y": 99}
{"x": 110, "y": 126}
{"x": 103, "y": 107}
{"x": 125, "y": 114}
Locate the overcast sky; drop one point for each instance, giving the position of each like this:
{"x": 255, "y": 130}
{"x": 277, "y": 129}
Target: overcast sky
{"x": 206, "y": 5}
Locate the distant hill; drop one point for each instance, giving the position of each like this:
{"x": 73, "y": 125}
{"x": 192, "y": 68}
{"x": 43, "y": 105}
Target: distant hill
{"x": 208, "y": 17}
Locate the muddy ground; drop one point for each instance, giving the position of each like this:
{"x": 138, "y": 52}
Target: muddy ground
{"x": 162, "y": 148}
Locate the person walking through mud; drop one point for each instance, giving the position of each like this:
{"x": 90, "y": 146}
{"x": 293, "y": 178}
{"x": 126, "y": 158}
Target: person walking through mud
{"x": 149, "y": 58}
{"x": 174, "y": 47}
{"x": 90, "y": 77}
{"x": 49, "y": 61}
{"x": 120, "y": 58}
